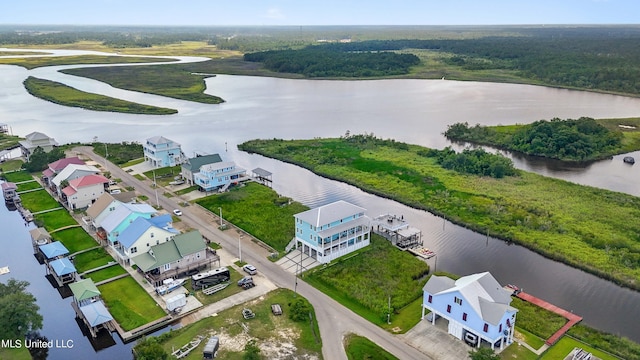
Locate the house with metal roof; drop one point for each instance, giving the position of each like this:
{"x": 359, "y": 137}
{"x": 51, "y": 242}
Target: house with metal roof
{"x": 219, "y": 176}
{"x": 160, "y": 152}
{"x": 142, "y": 233}
{"x": 84, "y": 191}
{"x": 120, "y": 218}
{"x": 69, "y": 173}
{"x": 55, "y": 167}
{"x": 84, "y": 291}
{"x": 476, "y": 307}
{"x": 192, "y": 166}
{"x": 330, "y": 231}
{"x": 183, "y": 253}
{"x": 36, "y": 140}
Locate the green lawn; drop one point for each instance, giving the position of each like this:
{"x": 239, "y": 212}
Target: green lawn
{"x": 517, "y": 352}
{"x": 28, "y": 186}
{"x": 536, "y": 320}
{"x": 232, "y": 289}
{"x": 129, "y": 304}
{"x": 164, "y": 175}
{"x": 18, "y": 176}
{"x": 106, "y": 273}
{"x": 91, "y": 259}
{"x": 258, "y": 210}
{"x": 359, "y": 348}
{"x": 11, "y": 165}
{"x": 132, "y": 162}
{"x": 534, "y": 341}
{"x": 21, "y": 353}
{"x": 563, "y": 347}
{"x": 61, "y": 94}
{"x": 364, "y": 282}
{"x": 38, "y": 201}
{"x": 55, "y": 219}
{"x": 75, "y": 239}
{"x": 265, "y": 328}
{"x": 187, "y": 190}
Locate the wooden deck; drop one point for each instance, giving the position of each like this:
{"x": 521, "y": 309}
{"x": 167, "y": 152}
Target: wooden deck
{"x": 571, "y": 317}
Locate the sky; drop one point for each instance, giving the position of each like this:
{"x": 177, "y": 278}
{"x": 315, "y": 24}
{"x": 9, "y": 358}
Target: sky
{"x": 315, "y": 12}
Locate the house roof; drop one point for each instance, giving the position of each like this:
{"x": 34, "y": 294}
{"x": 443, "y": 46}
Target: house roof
{"x": 140, "y": 225}
{"x": 170, "y": 251}
{"x": 329, "y": 213}
{"x": 122, "y": 212}
{"x": 88, "y": 180}
{"x": 39, "y": 234}
{"x": 53, "y": 249}
{"x": 261, "y": 172}
{"x": 48, "y": 173}
{"x": 36, "y": 139}
{"x": 84, "y": 289}
{"x": 68, "y": 171}
{"x": 125, "y": 196}
{"x": 36, "y": 136}
{"x": 63, "y": 266}
{"x": 194, "y": 164}
{"x": 99, "y": 205}
{"x": 62, "y": 163}
{"x": 8, "y": 186}
{"x": 482, "y": 291}
{"x": 217, "y": 166}
{"x": 96, "y": 313}
{"x": 160, "y": 140}
{"x": 69, "y": 191}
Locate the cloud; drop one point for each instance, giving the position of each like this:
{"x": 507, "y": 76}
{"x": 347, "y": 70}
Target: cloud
{"x": 274, "y": 13}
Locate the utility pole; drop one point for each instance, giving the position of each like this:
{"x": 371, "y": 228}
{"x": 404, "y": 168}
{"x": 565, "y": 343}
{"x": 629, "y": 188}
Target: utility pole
{"x": 220, "y": 209}
{"x": 240, "y": 246}
{"x": 389, "y": 312}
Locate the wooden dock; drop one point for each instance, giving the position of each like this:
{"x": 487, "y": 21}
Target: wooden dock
{"x": 572, "y": 318}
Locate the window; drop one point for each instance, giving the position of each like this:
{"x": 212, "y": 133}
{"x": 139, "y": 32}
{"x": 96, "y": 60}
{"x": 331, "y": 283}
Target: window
{"x": 430, "y": 299}
{"x": 464, "y": 316}
{"x": 449, "y": 308}
{"x": 457, "y": 300}
{"x": 151, "y": 234}
{"x": 167, "y": 267}
{"x": 508, "y": 323}
{"x": 485, "y": 328}
{"x": 500, "y": 328}
{"x": 134, "y": 250}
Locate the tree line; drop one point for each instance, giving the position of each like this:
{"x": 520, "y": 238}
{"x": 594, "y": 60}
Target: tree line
{"x": 327, "y": 61}
{"x": 576, "y": 140}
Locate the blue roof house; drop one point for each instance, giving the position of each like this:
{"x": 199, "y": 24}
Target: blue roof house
{"x": 122, "y": 217}
{"x": 142, "y": 234}
{"x": 160, "y": 152}
{"x": 476, "y": 307}
{"x": 330, "y": 231}
{"x": 219, "y": 176}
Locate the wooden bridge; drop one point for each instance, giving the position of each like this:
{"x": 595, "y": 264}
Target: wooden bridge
{"x": 571, "y": 317}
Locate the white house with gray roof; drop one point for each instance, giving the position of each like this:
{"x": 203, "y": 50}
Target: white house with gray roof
{"x": 330, "y": 231}
{"x": 161, "y": 152}
{"x": 36, "y": 140}
{"x": 476, "y": 306}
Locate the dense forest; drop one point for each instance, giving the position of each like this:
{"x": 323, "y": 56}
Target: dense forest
{"x": 574, "y": 140}
{"x": 326, "y": 61}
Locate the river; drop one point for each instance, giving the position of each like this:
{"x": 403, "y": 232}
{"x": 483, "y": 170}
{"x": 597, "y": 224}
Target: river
{"x": 414, "y": 111}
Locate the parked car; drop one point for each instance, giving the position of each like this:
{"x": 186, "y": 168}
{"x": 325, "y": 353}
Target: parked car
{"x": 177, "y": 212}
{"x": 115, "y": 191}
{"x": 250, "y": 269}
{"x": 246, "y": 282}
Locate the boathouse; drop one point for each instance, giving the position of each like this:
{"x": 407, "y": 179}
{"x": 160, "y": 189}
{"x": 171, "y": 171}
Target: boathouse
{"x": 476, "y": 307}
{"x": 53, "y": 251}
{"x": 89, "y": 307}
{"x": 397, "y": 230}
{"x": 9, "y": 191}
{"x": 262, "y": 176}
{"x": 62, "y": 270}
{"x": 39, "y": 236}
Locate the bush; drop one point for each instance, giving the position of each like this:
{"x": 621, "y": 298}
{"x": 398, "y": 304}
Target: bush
{"x": 299, "y": 310}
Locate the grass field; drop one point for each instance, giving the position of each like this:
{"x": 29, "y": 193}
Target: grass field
{"x": 259, "y": 211}
{"x": 34, "y": 62}
{"x": 91, "y": 259}
{"x": 563, "y": 347}
{"x": 584, "y": 227}
{"x": 18, "y": 176}
{"x": 364, "y": 282}
{"x": 54, "y": 220}
{"x": 358, "y": 348}
{"x": 31, "y": 185}
{"x": 11, "y": 165}
{"x": 129, "y": 304}
{"x": 106, "y": 273}
{"x": 61, "y": 94}
{"x": 38, "y": 200}
{"x": 75, "y": 239}
{"x": 269, "y": 331}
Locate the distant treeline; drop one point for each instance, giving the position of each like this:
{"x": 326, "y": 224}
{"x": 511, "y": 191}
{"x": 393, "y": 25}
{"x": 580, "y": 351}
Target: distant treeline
{"x": 108, "y": 38}
{"x": 581, "y": 139}
{"x": 329, "y": 61}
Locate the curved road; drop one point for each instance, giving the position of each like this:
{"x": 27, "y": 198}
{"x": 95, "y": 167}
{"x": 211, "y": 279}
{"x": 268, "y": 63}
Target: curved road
{"x": 334, "y": 320}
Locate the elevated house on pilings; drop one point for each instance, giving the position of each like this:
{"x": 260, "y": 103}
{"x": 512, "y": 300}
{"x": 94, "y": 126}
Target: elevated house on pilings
{"x": 397, "y": 230}
{"x": 90, "y": 308}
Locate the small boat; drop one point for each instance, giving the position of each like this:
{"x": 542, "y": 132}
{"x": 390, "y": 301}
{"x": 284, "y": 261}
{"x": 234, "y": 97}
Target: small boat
{"x": 169, "y": 285}
{"x": 629, "y": 160}
{"x": 516, "y": 290}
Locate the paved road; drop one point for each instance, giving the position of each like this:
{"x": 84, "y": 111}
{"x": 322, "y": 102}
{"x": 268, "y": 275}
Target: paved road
{"x": 334, "y": 320}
